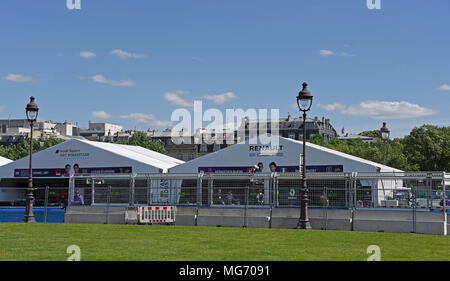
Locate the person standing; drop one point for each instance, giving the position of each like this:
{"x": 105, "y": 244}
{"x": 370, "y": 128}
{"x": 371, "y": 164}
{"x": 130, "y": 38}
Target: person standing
{"x": 229, "y": 199}
{"x": 78, "y": 199}
{"x": 220, "y": 197}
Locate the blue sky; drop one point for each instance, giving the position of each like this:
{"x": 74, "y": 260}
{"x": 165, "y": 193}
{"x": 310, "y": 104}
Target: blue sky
{"x": 134, "y": 62}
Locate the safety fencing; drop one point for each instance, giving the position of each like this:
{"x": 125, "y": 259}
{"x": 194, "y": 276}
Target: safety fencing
{"x": 409, "y": 191}
{"x": 49, "y": 203}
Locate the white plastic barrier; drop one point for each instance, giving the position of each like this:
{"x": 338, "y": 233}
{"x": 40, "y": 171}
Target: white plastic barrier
{"x": 156, "y": 214}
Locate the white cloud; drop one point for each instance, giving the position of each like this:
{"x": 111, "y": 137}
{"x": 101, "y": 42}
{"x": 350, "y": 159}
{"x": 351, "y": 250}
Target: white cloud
{"x": 18, "y": 78}
{"x": 148, "y": 119}
{"x": 125, "y": 55}
{"x": 222, "y": 98}
{"x": 102, "y": 79}
{"x": 326, "y": 53}
{"x": 381, "y": 109}
{"x": 444, "y": 87}
{"x": 87, "y": 55}
{"x": 100, "y": 114}
{"x": 333, "y": 107}
{"x": 2, "y": 108}
{"x": 175, "y": 98}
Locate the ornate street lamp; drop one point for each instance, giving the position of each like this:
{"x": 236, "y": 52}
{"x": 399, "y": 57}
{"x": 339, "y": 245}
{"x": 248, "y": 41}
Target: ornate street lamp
{"x": 32, "y": 111}
{"x": 384, "y": 131}
{"x": 304, "y": 102}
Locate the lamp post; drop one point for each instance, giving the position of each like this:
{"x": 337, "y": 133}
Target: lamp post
{"x": 384, "y": 131}
{"x": 32, "y": 110}
{"x": 304, "y": 102}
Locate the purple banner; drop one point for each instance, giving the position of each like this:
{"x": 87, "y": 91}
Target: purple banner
{"x": 280, "y": 169}
{"x": 226, "y": 169}
{"x": 312, "y": 169}
{"x": 66, "y": 172}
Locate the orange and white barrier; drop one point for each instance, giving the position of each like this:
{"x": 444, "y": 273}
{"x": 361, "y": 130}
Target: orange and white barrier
{"x": 156, "y": 214}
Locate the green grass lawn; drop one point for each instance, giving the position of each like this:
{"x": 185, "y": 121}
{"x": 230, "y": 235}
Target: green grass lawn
{"x": 176, "y": 243}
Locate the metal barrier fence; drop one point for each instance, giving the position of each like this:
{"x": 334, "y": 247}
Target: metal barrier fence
{"x": 351, "y": 191}
{"x": 48, "y": 201}
{"x": 344, "y": 190}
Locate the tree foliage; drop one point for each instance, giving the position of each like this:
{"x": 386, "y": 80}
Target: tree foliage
{"x": 429, "y": 147}
{"x": 22, "y": 149}
{"x": 141, "y": 139}
{"x": 371, "y": 133}
{"x": 426, "y": 148}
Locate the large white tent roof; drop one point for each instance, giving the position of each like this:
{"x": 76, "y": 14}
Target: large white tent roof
{"x": 138, "y": 153}
{"x": 4, "y": 161}
{"x": 246, "y": 154}
{"x": 94, "y": 155}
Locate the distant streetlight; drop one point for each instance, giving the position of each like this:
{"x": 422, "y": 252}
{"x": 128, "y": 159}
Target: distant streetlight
{"x": 384, "y": 131}
{"x": 32, "y": 111}
{"x": 304, "y": 102}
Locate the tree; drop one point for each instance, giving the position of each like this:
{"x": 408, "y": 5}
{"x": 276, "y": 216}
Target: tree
{"x": 49, "y": 142}
{"x": 372, "y": 151}
{"x": 4, "y": 151}
{"x": 141, "y": 139}
{"x": 23, "y": 149}
{"x": 428, "y": 147}
{"x": 371, "y": 133}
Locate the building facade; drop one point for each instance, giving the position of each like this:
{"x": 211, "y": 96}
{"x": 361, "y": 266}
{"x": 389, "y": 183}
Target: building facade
{"x": 190, "y": 146}
{"x": 100, "y": 131}
{"x": 289, "y": 127}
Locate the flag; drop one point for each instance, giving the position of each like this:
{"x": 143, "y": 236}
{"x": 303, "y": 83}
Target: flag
{"x": 342, "y": 131}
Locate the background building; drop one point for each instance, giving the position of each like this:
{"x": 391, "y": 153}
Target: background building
{"x": 98, "y": 131}
{"x": 14, "y": 131}
{"x": 191, "y": 147}
{"x": 291, "y": 127}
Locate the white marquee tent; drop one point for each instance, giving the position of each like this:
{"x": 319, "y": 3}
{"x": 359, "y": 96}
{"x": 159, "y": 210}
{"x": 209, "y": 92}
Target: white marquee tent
{"x": 242, "y": 157}
{"x": 286, "y": 155}
{"x": 4, "y": 161}
{"x": 90, "y": 157}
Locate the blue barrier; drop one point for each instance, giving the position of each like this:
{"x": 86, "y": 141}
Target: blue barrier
{"x": 15, "y": 214}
